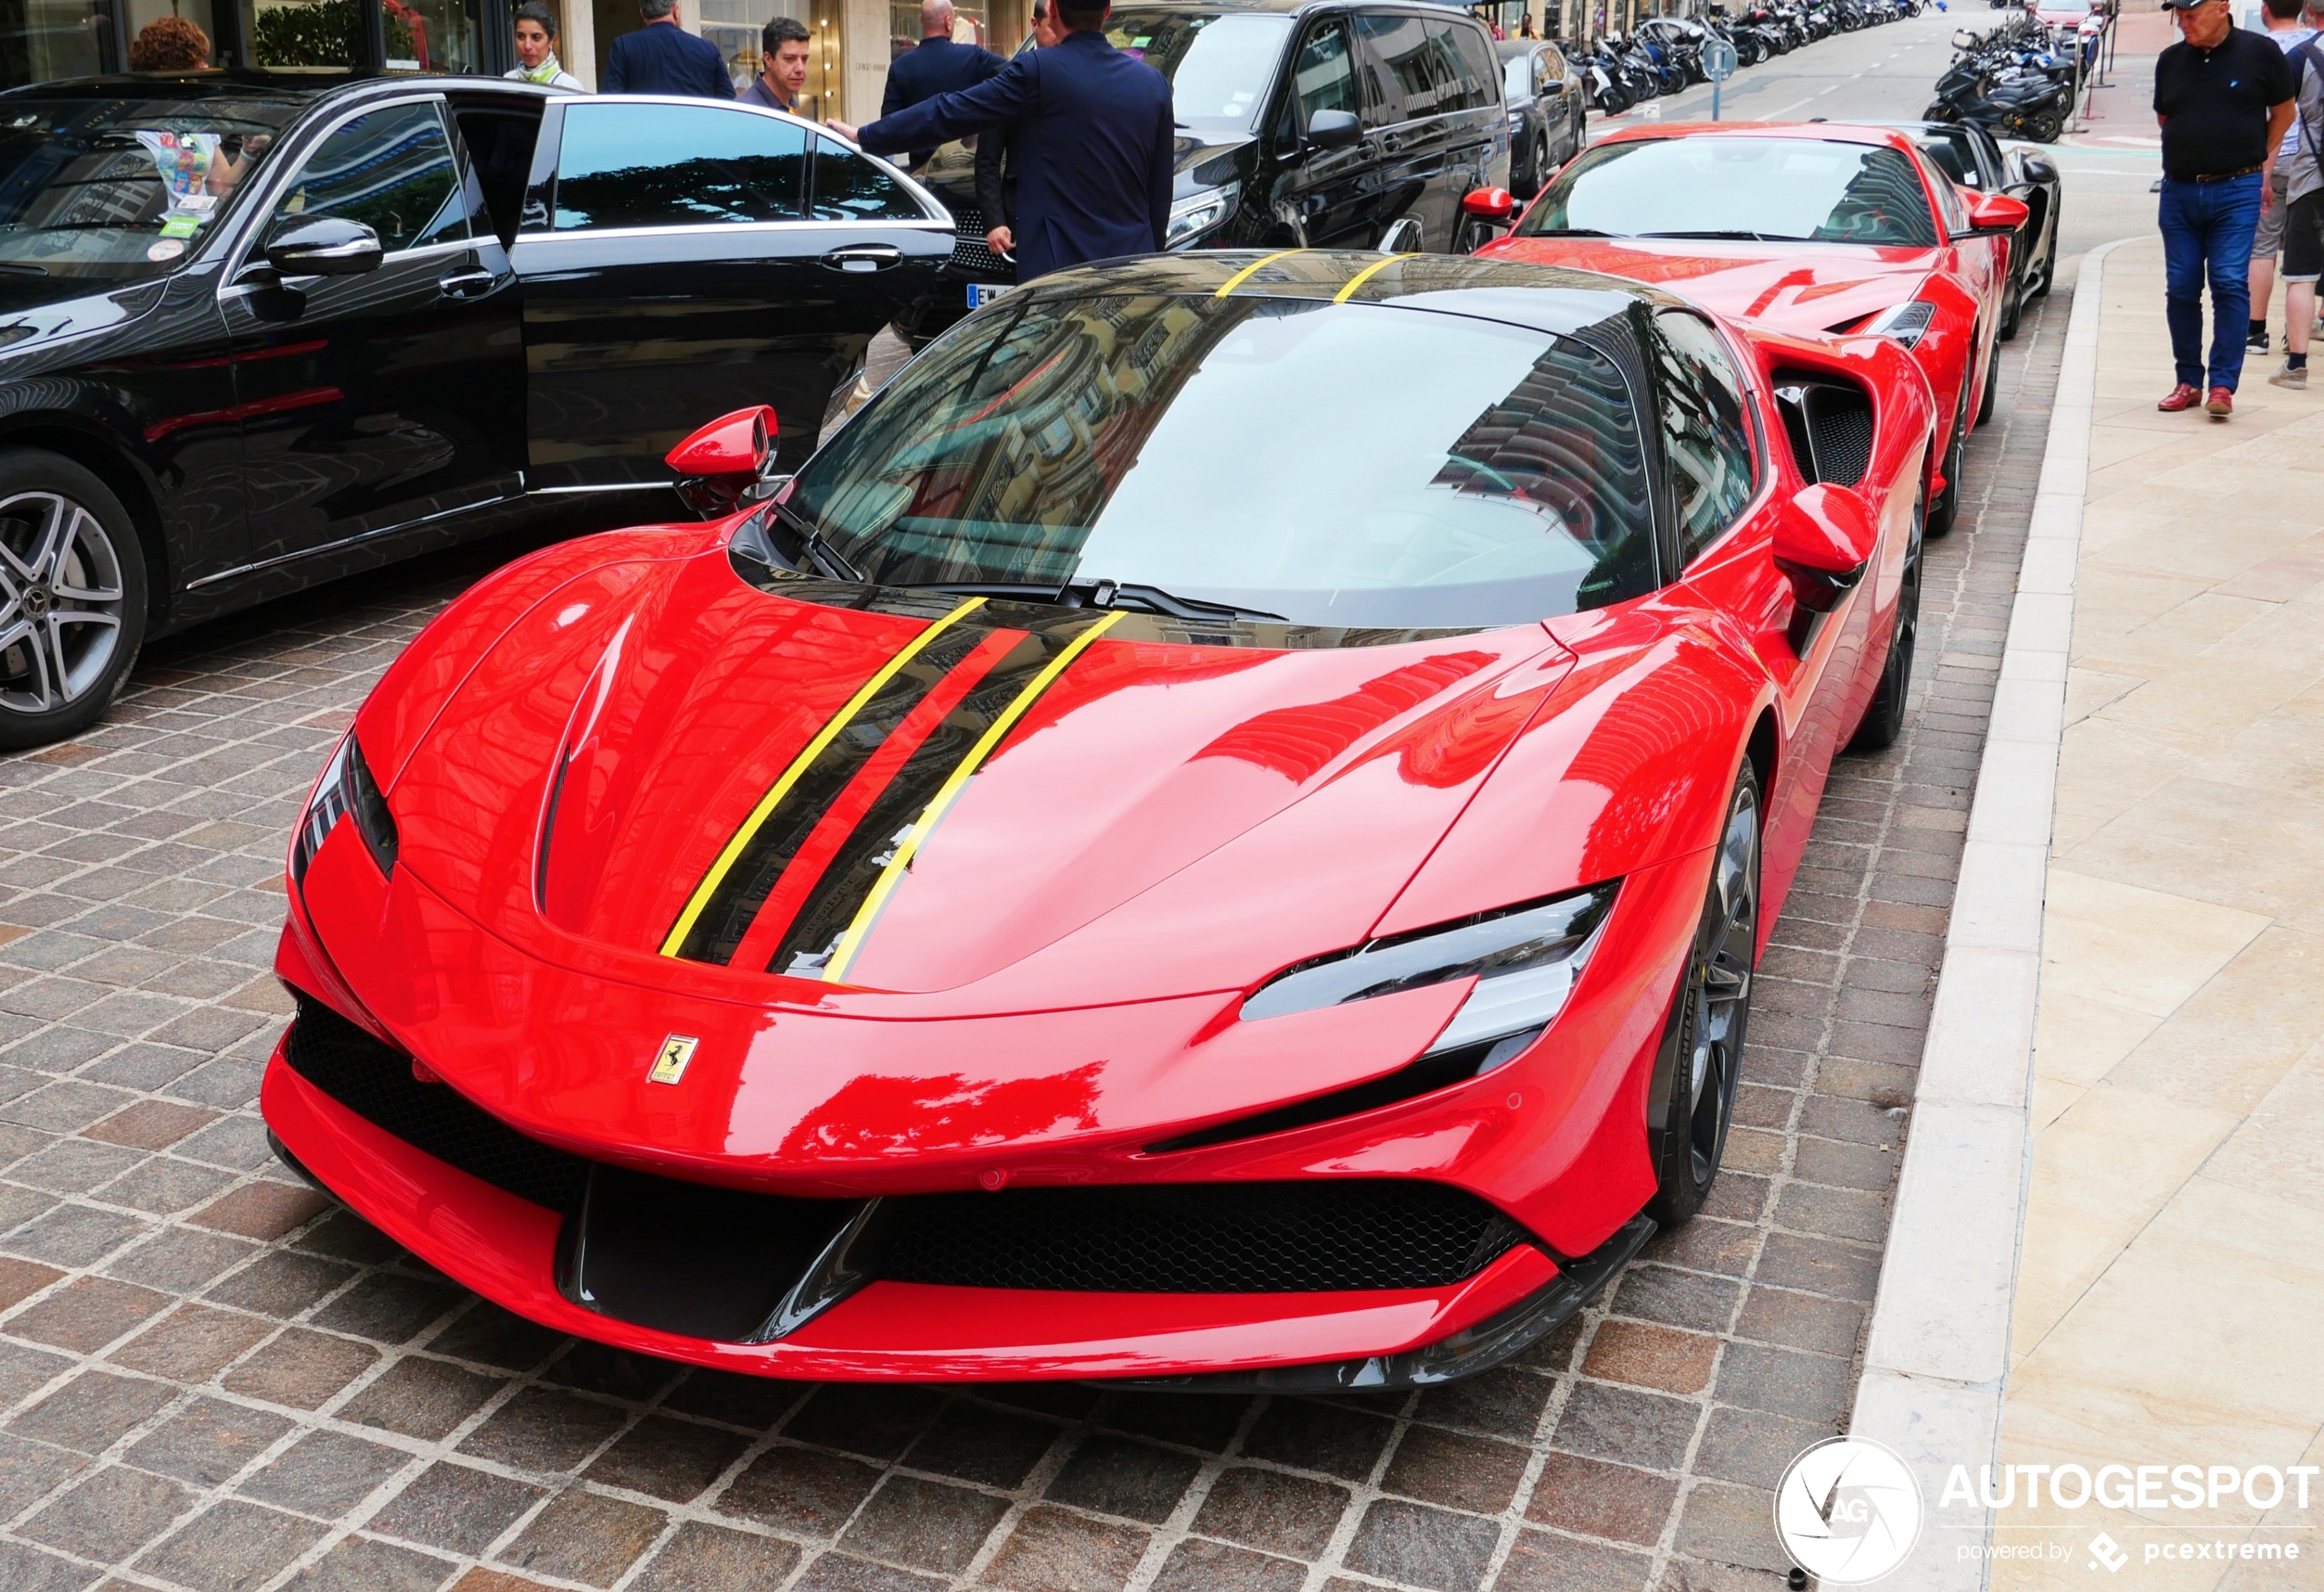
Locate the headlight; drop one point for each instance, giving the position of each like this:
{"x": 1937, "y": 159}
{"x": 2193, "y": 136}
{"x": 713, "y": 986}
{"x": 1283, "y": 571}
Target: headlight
{"x": 347, "y": 791}
{"x": 1525, "y": 960}
{"x": 1905, "y": 323}
{"x": 1200, "y": 213}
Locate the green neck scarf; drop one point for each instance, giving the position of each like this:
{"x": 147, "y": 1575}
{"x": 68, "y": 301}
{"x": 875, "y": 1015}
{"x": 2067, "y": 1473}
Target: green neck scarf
{"x": 545, "y": 73}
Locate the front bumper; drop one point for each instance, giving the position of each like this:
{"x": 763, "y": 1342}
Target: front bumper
{"x": 508, "y": 1249}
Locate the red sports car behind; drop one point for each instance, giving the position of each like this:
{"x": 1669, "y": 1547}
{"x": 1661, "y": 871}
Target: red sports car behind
{"x": 1160, "y": 853}
{"x": 1809, "y": 226}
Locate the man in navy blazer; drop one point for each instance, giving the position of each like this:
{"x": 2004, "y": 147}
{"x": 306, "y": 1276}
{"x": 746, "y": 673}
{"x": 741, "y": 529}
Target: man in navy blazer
{"x": 662, "y": 58}
{"x": 938, "y": 67}
{"x": 1095, "y": 135}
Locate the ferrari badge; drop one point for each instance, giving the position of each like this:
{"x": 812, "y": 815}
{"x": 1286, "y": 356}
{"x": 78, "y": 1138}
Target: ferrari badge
{"x": 670, "y": 1064}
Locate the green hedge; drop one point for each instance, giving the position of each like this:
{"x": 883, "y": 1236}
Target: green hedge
{"x": 322, "y": 33}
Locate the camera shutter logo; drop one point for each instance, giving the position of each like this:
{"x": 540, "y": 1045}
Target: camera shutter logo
{"x": 1848, "y": 1510}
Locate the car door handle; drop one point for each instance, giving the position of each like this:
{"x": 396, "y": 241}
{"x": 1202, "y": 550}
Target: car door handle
{"x": 865, "y": 257}
{"x": 466, "y": 284}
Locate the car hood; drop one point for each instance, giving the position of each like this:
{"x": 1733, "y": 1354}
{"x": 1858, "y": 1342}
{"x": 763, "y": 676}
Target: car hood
{"x": 1795, "y": 288}
{"x": 608, "y": 749}
{"x": 1200, "y": 162}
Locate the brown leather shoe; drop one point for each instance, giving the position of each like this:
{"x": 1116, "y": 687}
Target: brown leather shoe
{"x": 2221, "y": 404}
{"x": 2181, "y": 397}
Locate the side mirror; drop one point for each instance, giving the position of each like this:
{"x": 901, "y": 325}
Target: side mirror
{"x": 1996, "y": 212}
{"x": 1823, "y": 543}
{"x": 2040, "y": 171}
{"x": 1490, "y": 204}
{"x": 326, "y": 246}
{"x": 1553, "y": 86}
{"x": 1334, "y": 130}
{"x": 722, "y": 463}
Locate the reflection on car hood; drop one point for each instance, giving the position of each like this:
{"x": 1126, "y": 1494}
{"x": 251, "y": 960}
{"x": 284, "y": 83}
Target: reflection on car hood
{"x": 1795, "y": 287}
{"x": 35, "y": 310}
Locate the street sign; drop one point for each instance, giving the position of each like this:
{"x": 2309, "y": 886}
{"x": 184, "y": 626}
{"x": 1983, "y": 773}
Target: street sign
{"x": 1718, "y": 65}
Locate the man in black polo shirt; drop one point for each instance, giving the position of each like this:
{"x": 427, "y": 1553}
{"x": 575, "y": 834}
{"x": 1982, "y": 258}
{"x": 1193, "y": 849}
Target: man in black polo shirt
{"x": 2224, "y": 98}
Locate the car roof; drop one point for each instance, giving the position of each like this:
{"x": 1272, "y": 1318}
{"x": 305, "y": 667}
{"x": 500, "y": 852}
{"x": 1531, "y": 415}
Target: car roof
{"x": 1510, "y": 48}
{"x": 1288, "y": 7}
{"x": 196, "y": 86}
{"x": 1822, "y": 132}
{"x": 1549, "y": 298}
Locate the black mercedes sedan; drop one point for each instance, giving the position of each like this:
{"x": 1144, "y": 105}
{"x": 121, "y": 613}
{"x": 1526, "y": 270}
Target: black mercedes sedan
{"x": 254, "y": 335}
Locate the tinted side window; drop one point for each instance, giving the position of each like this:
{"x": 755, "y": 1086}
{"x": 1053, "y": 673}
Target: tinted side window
{"x": 392, "y": 170}
{"x": 1469, "y": 53}
{"x": 1323, "y": 75}
{"x": 1955, "y": 213}
{"x": 674, "y": 166}
{"x": 849, "y": 188}
{"x": 1549, "y": 68}
{"x": 1706, "y": 437}
{"x": 1414, "y": 73}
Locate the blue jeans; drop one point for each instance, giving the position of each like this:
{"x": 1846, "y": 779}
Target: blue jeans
{"x": 2208, "y": 227}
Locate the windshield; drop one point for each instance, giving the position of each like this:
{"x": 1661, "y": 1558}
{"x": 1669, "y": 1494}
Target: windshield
{"x": 1245, "y": 452}
{"x": 1517, "y": 78}
{"x": 99, "y": 192}
{"x": 1218, "y": 67}
{"x": 1785, "y": 189}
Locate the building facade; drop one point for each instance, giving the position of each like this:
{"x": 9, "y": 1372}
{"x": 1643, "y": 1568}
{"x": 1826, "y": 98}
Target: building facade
{"x": 45, "y": 40}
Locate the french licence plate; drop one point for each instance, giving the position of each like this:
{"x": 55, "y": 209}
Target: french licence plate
{"x": 981, "y": 293}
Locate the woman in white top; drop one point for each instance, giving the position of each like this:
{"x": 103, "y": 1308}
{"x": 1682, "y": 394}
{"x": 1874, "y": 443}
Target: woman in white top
{"x": 537, "y": 37}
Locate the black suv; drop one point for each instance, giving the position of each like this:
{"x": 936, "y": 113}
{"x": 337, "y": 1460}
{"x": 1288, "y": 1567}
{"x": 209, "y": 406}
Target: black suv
{"x": 1314, "y": 124}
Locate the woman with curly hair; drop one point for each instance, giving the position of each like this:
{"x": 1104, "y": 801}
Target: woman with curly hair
{"x": 170, "y": 44}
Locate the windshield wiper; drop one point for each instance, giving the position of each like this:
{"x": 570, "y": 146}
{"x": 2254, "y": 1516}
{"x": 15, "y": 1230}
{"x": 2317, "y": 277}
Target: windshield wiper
{"x": 812, "y": 546}
{"x": 1734, "y": 236}
{"x": 1101, "y": 594}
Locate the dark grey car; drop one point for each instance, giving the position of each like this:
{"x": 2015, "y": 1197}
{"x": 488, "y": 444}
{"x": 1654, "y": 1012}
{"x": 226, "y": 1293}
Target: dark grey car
{"x": 1547, "y": 109}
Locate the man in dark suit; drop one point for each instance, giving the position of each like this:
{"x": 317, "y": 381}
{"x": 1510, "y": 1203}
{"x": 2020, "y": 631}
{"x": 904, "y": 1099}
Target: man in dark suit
{"x": 1096, "y": 144}
{"x": 938, "y": 67}
{"x": 662, "y": 58}
{"x": 999, "y": 159}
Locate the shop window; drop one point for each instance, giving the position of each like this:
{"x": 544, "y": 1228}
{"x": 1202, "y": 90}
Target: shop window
{"x": 737, "y": 27}
{"x": 970, "y": 25}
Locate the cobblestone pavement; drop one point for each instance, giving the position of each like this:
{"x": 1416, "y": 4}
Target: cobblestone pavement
{"x": 211, "y": 1379}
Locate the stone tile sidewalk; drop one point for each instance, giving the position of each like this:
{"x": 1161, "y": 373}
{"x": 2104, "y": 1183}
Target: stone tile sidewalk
{"x": 2171, "y": 1284}
{"x": 212, "y": 1380}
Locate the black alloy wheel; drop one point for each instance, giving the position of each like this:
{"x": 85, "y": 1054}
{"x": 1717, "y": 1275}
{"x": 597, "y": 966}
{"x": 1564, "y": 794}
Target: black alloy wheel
{"x": 1993, "y": 385}
{"x": 1884, "y": 716}
{"x": 72, "y": 598}
{"x": 1693, "y": 1102}
{"x": 2044, "y": 127}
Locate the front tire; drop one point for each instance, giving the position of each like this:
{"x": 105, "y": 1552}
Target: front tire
{"x": 1693, "y": 1102}
{"x": 2044, "y": 127}
{"x": 1946, "y": 508}
{"x": 1993, "y": 385}
{"x": 72, "y": 598}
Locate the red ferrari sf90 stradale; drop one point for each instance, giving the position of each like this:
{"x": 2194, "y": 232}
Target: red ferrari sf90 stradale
{"x": 1216, "y": 832}
{"x": 1809, "y": 226}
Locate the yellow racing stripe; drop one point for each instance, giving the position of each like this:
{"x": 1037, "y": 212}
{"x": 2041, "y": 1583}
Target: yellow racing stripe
{"x": 1365, "y": 276}
{"x": 1243, "y": 276}
{"x": 800, "y": 765}
{"x": 835, "y": 969}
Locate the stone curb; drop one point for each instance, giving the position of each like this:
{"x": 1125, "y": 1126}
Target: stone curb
{"x": 1937, "y": 1350}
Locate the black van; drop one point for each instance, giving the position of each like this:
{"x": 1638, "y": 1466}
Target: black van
{"x": 1324, "y": 123}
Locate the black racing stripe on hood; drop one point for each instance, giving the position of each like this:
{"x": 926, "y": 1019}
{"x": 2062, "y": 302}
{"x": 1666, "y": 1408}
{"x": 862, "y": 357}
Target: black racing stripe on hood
{"x": 723, "y": 923}
{"x": 812, "y": 937}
